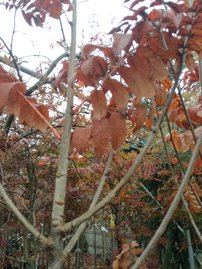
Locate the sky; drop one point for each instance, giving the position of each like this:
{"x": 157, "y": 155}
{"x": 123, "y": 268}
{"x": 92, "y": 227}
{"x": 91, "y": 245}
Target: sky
{"x": 94, "y": 17}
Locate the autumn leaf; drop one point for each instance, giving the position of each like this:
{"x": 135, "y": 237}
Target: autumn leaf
{"x": 160, "y": 96}
{"x": 34, "y": 115}
{"x": 137, "y": 116}
{"x": 121, "y": 42}
{"x": 117, "y": 128}
{"x": 62, "y": 75}
{"x": 99, "y": 104}
{"x": 5, "y": 76}
{"x": 91, "y": 70}
{"x": 12, "y": 96}
{"x": 137, "y": 82}
{"x": 195, "y": 113}
{"x": 165, "y": 17}
{"x": 80, "y": 139}
{"x": 119, "y": 92}
{"x": 5, "y": 90}
{"x": 158, "y": 69}
{"x": 142, "y": 28}
{"x": 89, "y": 48}
{"x": 101, "y": 136}
{"x": 53, "y": 7}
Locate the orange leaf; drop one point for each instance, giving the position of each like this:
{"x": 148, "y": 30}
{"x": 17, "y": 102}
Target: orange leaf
{"x": 195, "y": 114}
{"x": 177, "y": 139}
{"x": 148, "y": 123}
{"x": 115, "y": 264}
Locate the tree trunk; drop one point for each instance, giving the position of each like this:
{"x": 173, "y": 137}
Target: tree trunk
{"x": 57, "y": 217}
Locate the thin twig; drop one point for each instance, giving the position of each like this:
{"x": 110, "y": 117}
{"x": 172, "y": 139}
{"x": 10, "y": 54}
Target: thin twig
{"x": 81, "y": 228}
{"x": 159, "y": 232}
{"x": 21, "y": 218}
{"x": 68, "y": 226}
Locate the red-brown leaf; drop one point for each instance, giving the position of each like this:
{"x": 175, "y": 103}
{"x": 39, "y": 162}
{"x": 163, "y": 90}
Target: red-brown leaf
{"x": 80, "y": 139}
{"x": 5, "y": 89}
{"x": 137, "y": 116}
{"x": 117, "y": 129}
{"x": 33, "y": 114}
{"x": 62, "y": 75}
{"x": 119, "y": 92}
{"x": 121, "y": 42}
{"x": 91, "y": 70}
{"x": 138, "y": 83}
{"x": 101, "y": 136}
{"x": 99, "y": 104}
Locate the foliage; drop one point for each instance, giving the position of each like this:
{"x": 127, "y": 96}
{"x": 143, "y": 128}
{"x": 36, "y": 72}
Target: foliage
{"x": 138, "y": 99}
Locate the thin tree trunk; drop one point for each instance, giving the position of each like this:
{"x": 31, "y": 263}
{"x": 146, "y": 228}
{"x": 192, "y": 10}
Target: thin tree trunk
{"x": 63, "y": 161}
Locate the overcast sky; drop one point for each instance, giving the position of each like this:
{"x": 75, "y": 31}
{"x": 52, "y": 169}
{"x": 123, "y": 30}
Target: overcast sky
{"x": 94, "y": 17}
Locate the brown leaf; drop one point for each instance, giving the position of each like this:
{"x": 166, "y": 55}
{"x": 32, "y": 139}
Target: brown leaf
{"x": 158, "y": 69}
{"x": 89, "y": 48}
{"x": 33, "y": 114}
{"x": 117, "y": 129}
{"x": 119, "y": 92}
{"x": 62, "y": 75}
{"x": 142, "y": 28}
{"x": 12, "y": 96}
{"x": 115, "y": 264}
{"x": 195, "y": 114}
{"x": 138, "y": 83}
{"x": 53, "y": 7}
{"x": 91, "y": 70}
{"x": 80, "y": 139}
{"x": 101, "y": 136}
{"x": 99, "y": 104}
{"x": 5, "y": 89}
{"x": 137, "y": 116}
{"x": 160, "y": 96}
{"x": 121, "y": 42}
{"x": 5, "y": 76}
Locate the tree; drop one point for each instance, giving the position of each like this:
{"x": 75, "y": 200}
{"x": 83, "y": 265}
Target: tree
{"x": 143, "y": 89}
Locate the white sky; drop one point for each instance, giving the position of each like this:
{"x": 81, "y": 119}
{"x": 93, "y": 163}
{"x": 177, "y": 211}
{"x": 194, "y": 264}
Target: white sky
{"x": 94, "y": 17}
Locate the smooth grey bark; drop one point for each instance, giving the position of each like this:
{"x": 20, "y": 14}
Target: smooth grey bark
{"x": 57, "y": 218}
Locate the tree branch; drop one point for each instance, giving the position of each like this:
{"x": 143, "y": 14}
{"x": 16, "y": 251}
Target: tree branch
{"x": 171, "y": 209}
{"x": 22, "y": 219}
{"x": 81, "y": 228}
{"x": 68, "y": 226}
